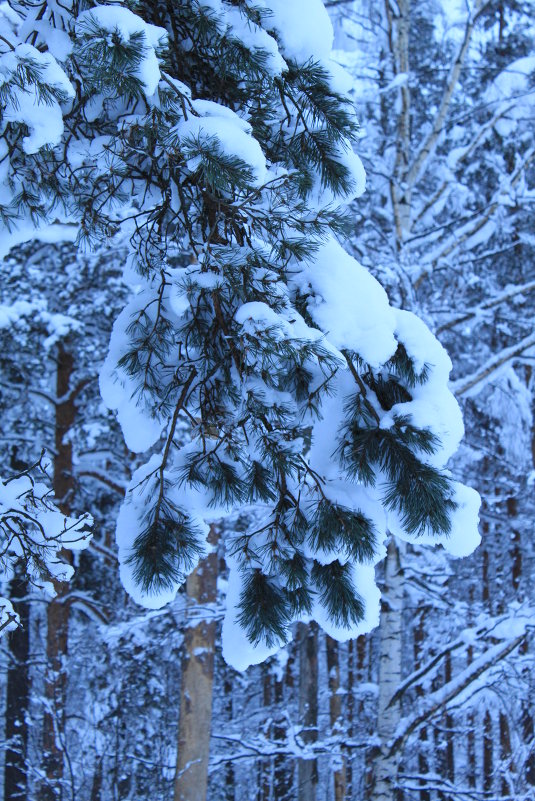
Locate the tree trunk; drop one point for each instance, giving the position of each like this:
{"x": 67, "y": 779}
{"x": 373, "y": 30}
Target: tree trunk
{"x": 17, "y": 697}
{"x": 58, "y": 609}
{"x": 195, "y": 724}
{"x": 335, "y": 712}
{"x": 423, "y": 763}
{"x": 488, "y": 754}
{"x": 307, "y": 769}
{"x": 390, "y": 628}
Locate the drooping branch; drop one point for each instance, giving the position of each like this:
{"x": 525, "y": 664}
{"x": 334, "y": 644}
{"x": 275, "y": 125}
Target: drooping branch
{"x": 466, "y": 384}
{"x": 441, "y": 698}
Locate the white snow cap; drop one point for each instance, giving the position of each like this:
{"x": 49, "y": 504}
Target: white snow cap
{"x": 44, "y": 120}
{"x": 303, "y": 27}
{"x": 117, "y": 19}
{"x": 232, "y": 132}
{"x": 348, "y": 304}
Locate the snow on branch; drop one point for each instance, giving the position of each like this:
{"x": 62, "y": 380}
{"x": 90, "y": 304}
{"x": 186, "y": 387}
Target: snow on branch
{"x": 474, "y": 383}
{"x": 34, "y": 532}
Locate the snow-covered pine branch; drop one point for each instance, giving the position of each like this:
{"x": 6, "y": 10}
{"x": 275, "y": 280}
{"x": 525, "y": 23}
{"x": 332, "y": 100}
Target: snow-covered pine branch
{"x": 260, "y": 364}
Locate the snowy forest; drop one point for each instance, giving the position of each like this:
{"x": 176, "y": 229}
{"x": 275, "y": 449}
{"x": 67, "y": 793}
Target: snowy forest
{"x": 267, "y": 271}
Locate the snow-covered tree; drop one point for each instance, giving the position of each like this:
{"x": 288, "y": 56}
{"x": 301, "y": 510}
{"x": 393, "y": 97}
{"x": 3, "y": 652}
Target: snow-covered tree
{"x": 267, "y": 362}
{"x": 446, "y": 94}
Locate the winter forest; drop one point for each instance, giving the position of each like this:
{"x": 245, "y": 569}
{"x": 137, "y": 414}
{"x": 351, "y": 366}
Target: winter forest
{"x": 267, "y": 272}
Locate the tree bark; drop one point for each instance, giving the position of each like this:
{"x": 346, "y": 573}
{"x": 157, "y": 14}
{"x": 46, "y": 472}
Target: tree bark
{"x": 195, "y": 724}
{"x": 307, "y": 769}
{"x": 390, "y": 628}
{"x": 58, "y": 610}
{"x": 17, "y": 697}
{"x": 335, "y": 712}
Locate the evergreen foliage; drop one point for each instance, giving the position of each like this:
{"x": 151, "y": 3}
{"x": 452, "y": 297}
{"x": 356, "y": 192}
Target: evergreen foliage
{"x": 224, "y": 155}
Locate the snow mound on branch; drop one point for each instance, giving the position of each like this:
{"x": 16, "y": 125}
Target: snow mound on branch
{"x": 231, "y": 131}
{"x": 303, "y": 27}
{"x": 123, "y": 22}
{"x": 348, "y": 304}
{"x": 43, "y": 118}
{"x": 250, "y": 35}
{"x": 118, "y": 390}
{"x": 434, "y": 405}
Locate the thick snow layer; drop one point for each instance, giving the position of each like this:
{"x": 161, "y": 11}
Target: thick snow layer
{"x": 464, "y": 536}
{"x": 120, "y": 20}
{"x": 348, "y": 304}
{"x": 119, "y": 391}
{"x": 44, "y": 120}
{"x": 303, "y": 27}
{"x": 433, "y": 405}
{"x": 236, "y": 25}
{"x": 232, "y": 132}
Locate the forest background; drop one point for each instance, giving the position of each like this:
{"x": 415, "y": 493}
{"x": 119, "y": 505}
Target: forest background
{"x": 437, "y": 703}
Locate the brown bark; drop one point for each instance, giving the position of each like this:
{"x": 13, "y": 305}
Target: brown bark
{"x": 423, "y": 764}
{"x": 506, "y": 755}
{"x": 307, "y": 769}
{"x": 195, "y": 724}
{"x": 58, "y": 610}
{"x": 17, "y": 697}
{"x": 282, "y": 769}
{"x": 335, "y": 711}
{"x": 488, "y": 753}
{"x": 265, "y": 765}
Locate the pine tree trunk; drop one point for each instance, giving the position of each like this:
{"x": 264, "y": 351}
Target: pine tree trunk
{"x": 282, "y": 772}
{"x": 195, "y": 724}
{"x": 265, "y": 780}
{"x": 390, "y": 630}
{"x": 488, "y": 754}
{"x": 335, "y": 712}
{"x": 350, "y": 712}
{"x": 17, "y": 697}
{"x": 307, "y": 769}
{"x": 58, "y": 609}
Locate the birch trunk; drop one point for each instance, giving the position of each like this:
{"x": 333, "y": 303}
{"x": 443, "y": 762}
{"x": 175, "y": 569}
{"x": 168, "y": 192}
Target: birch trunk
{"x": 195, "y": 724}
{"x": 390, "y": 630}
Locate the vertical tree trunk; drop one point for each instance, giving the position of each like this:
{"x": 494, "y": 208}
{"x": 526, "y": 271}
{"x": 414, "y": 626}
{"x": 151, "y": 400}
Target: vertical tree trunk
{"x": 335, "y": 712}
{"x": 17, "y": 697}
{"x": 449, "y": 737}
{"x": 307, "y": 769}
{"x": 195, "y": 724}
{"x": 58, "y": 609}
{"x": 488, "y": 754}
{"x": 229, "y": 794}
{"x": 350, "y": 714}
{"x": 265, "y": 764}
{"x": 423, "y": 763}
{"x": 386, "y": 766}
{"x": 506, "y": 756}
{"x": 282, "y": 769}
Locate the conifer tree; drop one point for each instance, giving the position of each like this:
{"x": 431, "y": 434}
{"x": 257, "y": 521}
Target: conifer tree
{"x": 260, "y": 365}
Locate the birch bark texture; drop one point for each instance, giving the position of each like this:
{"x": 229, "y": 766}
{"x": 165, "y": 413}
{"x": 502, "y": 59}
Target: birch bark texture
{"x": 388, "y": 711}
{"x": 195, "y": 723}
